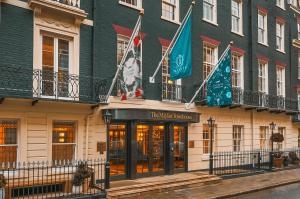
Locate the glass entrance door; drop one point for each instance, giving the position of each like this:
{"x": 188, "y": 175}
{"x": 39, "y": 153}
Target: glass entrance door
{"x": 117, "y": 149}
{"x": 150, "y": 149}
{"x": 179, "y": 147}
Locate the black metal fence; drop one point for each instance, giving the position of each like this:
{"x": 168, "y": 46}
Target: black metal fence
{"x": 255, "y": 161}
{"x": 57, "y": 179}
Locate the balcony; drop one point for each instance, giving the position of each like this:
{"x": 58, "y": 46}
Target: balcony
{"x": 17, "y": 82}
{"x": 259, "y": 101}
{"x": 171, "y": 92}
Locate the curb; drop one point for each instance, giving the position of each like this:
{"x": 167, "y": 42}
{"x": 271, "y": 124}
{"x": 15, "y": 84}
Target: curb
{"x": 256, "y": 189}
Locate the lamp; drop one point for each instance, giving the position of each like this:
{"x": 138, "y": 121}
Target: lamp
{"x": 272, "y": 127}
{"x": 211, "y": 122}
{"x": 107, "y": 116}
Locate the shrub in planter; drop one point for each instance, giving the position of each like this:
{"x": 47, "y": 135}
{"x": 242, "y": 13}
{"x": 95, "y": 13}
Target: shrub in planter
{"x": 277, "y": 137}
{"x": 2, "y": 186}
{"x": 80, "y": 177}
{"x": 278, "y": 160}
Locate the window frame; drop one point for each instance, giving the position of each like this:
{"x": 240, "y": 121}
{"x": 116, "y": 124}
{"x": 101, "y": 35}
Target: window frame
{"x": 239, "y": 17}
{"x": 280, "y": 4}
{"x": 263, "y": 76}
{"x": 280, "y": 37}
{"x": 240, "y": 71}
{"x": 298, "y": 137}
{"x": 176, "y": 11}
{"x": 282, "y": 130}
{"x": 263, "y": 141}
{"x": 206, "y": 139}
{"x": 139, "y": 5}
{"x": 214, "y": 58}
{"x": 213, "y": 8}
{"x": 264, "y": 29}
{"x": 235, "y": 139}
{"x": 280, "y": 81}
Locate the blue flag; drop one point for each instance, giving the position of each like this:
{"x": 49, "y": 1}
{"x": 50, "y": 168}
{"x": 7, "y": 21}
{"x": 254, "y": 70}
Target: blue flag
{"x": 219, "y": 89}
{"x": 181, "y": 54}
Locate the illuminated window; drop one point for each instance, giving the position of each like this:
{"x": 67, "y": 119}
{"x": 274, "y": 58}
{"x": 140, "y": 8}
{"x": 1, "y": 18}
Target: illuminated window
{"x": 8, "y": 141}
{"x": 63, "y": 140}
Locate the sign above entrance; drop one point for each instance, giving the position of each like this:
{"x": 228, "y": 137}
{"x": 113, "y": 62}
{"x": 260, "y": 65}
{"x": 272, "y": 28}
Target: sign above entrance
{"x": 154, "y": 115}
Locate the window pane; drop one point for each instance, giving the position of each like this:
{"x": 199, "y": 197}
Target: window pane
{"x": 8, "y": 142}
{"x": 48, "y": 52}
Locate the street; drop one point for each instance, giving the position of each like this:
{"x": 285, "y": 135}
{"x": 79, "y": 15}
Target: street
{"x": 285, "y": 192}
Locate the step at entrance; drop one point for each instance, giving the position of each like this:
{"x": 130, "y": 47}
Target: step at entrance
{"x": 131, "y": 188}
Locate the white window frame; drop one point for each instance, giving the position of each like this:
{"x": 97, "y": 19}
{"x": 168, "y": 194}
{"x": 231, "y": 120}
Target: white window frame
{"x": 280, "y": 37}
{"x": 239, "y": 70}
{"x": 237, "y": 129}
{"x": 55, "y": 67}
{"x": 280, "y": 4}
{"x": 263, "y": 74}
{"x": 176, "y": 10}
{"x": 298, "y": 137}
{"x": 178, "y": 91}
{"x": 263, "y": 141}
{"x": 282, "y": 130}
{"x": 263, "y": 30}
{"x": 298, "y": 99}
{"x": 298, "y": 66}
{"x": 280, "y": 81}
{"x": 298, "y": 29}
{"x": 207, "y": 48}
{"x": 213, "y": 8}
{"x": 207, "y": 140}
{"x": 238, "y": 17}
{"x": 139, "y": 5}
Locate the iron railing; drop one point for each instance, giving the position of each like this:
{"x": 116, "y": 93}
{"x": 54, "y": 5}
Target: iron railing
{"x": 258, "y": 100}
{"x": 57, "y": 179}
{"x": 171, "y": 92}
{"x": 231, "y": 163}
{"x": 74, "y": 3}
{"x": 45, "y": 84}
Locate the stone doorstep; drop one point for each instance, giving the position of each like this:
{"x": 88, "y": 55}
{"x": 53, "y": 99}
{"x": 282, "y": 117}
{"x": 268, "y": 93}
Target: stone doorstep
{"x": 256, "y": 189}
{"x": 172, "y": 186}
{"x": 160, "y": 182}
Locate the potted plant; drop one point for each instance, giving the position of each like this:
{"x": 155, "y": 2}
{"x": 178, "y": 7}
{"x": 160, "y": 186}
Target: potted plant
{"x": 2, "y": 186}
{"x": 285, "y": 160}
{"x": 80, "y": 178}
{"x": 278, "y": 160}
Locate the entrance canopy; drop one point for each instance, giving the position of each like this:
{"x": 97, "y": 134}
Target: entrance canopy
{"x": 153, "y": 115}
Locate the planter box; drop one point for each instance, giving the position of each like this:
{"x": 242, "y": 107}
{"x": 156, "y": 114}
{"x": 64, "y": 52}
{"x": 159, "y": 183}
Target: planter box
{"x": 278, "y": 162}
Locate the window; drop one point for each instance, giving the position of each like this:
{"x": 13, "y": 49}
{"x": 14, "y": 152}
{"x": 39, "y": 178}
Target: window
{"x": 262, "y": 76}
{"x": 263, "y": 134}
{"x": 298, "y": 97}
{"x": 55, "y": 67}
{"x": 134, "y": 3}
{"x": 237, "y": 70}
{"x": 298, "y": 138}
{"x": 171, "y": 90}
{"x": 262, "y": 28}
{"x": 8, "y": 141}
{"x": 236, "y": 16}
{"x": 280, "y": 3}
{"x": 170, "y": 10}
{"x": 206, "y": 138}
{"x": 281, "y": 130}
{"x": 122, "y": 43}
{"x": 210, "y": 10}
{"x": 237, "y": 136}
{"x": 280, "y": 36}
{"x": 280, "y": 73}
{"x": 210, "y": 56}
{"x": 298, "y": 66}
{"x": 63, "y": 140}
{"x": 298, "y": 28}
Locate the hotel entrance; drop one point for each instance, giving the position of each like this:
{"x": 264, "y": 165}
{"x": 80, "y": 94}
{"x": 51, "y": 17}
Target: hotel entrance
{"x": 140, "y": 147}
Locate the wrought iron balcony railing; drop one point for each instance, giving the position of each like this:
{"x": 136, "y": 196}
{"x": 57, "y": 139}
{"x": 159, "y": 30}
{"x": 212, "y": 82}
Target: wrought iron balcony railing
{"x": 74, "y": 3}
{"x": 259, "y": 100}
{"x": 171, "y": 92}
{"x": 45, "y": 84}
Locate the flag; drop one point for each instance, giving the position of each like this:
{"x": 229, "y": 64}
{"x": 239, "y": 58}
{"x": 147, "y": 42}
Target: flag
{"x": 181, "y": 54}
{"x": 219, "y": 88}
{"x": 130, "y": 77}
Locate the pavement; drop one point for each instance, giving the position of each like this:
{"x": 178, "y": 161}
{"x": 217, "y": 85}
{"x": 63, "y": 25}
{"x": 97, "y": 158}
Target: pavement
{"x": 231, "y": 187}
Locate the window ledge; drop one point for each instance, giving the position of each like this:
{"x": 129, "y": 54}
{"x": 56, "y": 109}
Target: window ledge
{"x": 211, "y": 22}
{"x": 169, "y": 20}
{"x": 280, "y": 51}
{"x": 282, "y": 8}
{"x": 130, "y": 6}
{"x": 171, "y": 101}
{"x": 296, "y": 43}
{"x": 238, "y": 33}
{"x": 263, "y": 44}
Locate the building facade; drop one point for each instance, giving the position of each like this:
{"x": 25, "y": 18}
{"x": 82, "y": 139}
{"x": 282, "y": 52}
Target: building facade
{"x": 58, "y": 58}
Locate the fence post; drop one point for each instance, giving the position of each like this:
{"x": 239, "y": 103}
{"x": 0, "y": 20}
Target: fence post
{"x": 107, "y": 173}
{"x": 259, "y": 159}
{"x": 271, "y": 161}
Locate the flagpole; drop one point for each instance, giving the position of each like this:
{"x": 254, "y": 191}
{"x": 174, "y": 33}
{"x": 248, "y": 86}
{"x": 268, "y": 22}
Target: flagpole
{"x": 187, "y": 105}
{"x": 175, "y": 38}
{"x": 120, "y": 66}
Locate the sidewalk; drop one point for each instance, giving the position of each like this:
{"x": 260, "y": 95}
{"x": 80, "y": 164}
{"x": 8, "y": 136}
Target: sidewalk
{"x": 232, "y": 187}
